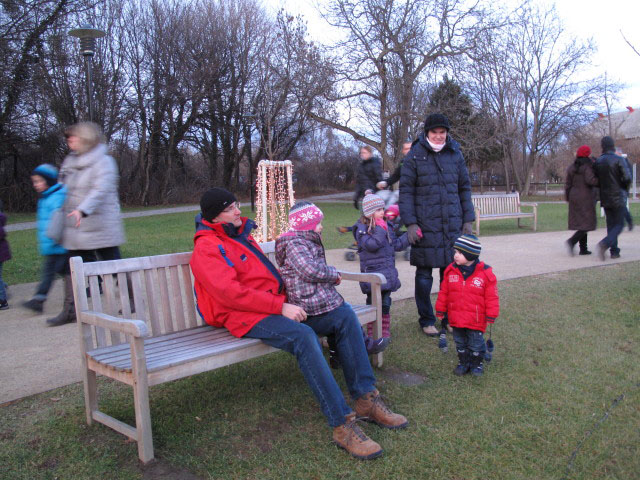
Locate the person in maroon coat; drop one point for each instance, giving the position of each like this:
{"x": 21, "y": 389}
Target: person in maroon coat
{"x": 580, "y": 193}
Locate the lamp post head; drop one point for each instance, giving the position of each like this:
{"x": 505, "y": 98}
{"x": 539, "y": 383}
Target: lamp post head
{"x": 87, "y": 35}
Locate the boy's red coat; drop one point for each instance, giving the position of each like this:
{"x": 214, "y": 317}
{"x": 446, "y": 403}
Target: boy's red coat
{"x": 235, "y": 297}
{"x": 469, "y": 303}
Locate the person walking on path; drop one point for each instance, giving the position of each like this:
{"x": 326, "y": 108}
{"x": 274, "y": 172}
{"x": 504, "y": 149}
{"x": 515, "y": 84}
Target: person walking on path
{"x": 614, "y": 179}
{"x": 368, "y": 175}
{"x": 5, "y": 255}
{"x": 238, "y": 288}
{"x": 51, "y": 198}
{"x": 377, "y": 245}
{"x": 435, "y": 205}
{"x": 395, "y": 176}
{"x": 93, "y": 223}
{"x": 469, "y": 297}
{"x": 579, "y": 189}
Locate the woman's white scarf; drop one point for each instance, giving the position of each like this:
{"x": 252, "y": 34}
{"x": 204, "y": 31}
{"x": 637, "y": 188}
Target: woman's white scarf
{"x": 436, "y": 147}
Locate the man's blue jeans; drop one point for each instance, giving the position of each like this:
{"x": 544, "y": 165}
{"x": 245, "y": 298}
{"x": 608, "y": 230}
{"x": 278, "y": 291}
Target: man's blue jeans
{"x": 615, "y": 224}
{"x": 424, "y": 282}
{"x": 301, "y": 340}
{"x": 467, "y": 339}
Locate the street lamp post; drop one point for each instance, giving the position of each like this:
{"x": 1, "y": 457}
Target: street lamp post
{"x": 87, "y": 35}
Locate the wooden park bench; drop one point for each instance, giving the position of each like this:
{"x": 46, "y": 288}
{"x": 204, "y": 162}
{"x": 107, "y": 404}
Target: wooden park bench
{"x": 160, "y": 337}
{"x": 500, "y": 206}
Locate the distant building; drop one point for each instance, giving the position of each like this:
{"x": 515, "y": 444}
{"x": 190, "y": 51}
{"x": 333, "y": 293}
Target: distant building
{"x": 623, "y": 126}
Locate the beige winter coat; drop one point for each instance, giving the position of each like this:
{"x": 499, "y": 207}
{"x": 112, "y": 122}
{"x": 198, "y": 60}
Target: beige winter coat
{"x": 92, "y": 187}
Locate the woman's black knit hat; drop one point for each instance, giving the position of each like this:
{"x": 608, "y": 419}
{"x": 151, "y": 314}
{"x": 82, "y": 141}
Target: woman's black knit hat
{"x": 436, "y": 120}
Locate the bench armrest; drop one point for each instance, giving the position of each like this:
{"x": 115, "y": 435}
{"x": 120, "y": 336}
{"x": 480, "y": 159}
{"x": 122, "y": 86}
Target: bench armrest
{"x": 373, "y": 278}
{"x": 529, "y": 204}
{"x": 137, "y": 328}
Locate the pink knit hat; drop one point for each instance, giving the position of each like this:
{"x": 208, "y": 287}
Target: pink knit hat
{"x": 304, "y": 216}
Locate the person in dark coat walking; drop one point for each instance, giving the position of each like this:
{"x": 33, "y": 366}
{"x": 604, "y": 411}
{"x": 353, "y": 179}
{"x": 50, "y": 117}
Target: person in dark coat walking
{"x": 435, "y": 204}
{"x": 614, "y": 178}
{"x": 579, "y": 192}
{"x": 5, "y": 255}
{"x": 368, "y": 175}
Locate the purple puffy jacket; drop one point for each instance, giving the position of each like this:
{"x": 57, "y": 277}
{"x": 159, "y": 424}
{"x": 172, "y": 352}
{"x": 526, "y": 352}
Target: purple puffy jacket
{"x": 377, "y": 254}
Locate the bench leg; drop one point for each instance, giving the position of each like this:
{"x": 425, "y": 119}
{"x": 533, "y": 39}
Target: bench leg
{"x": 90, "y": 393}
{"x": 141, "y": 401}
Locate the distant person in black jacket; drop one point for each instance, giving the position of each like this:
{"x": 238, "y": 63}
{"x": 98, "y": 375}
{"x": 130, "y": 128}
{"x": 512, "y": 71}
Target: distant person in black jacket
{"x": 435, "y": 205}
{"x": 627, "y": 214}
{"x": 369, "y": 174}
{"x": 614, "y": 178}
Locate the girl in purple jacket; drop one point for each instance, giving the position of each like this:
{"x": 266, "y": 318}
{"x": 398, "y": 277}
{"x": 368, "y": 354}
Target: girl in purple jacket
{"x": 377, "y": 244}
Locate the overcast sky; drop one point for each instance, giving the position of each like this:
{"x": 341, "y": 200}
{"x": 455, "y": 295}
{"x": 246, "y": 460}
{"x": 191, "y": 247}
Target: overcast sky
{"x": 598, "y": 19}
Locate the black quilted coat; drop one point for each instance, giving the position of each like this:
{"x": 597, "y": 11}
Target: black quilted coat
{"x": 435, "y": 193}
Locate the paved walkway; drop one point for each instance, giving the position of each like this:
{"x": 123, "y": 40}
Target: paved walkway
{"x": 332, "y": 197}
{"x": 35, "y": 358}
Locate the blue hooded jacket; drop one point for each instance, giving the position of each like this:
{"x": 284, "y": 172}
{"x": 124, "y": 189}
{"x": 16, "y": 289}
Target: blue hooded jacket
{"x": 50, "y": 200}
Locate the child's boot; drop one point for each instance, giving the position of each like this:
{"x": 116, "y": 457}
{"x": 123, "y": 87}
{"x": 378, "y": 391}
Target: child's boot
{"x": 4, "y": 305}
{"x": 463, "y": 363}
{"x": 376, "y": 346}
{"x": 476, "y": 366}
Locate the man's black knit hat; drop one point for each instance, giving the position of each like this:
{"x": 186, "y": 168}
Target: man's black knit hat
{"x": 214, "y": 201}
{"x": 607, "y": 144}
{"x": 436, "y": 120}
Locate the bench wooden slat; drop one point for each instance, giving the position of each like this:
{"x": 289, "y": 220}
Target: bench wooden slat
{"x": 154, "y": 317}
{"x": 178, "y": 313}
{"x": 190, "y": 319}
{"x": 109, "y": 292}
{"x": 164, "y": 295}
{"x": 96, "y": 302}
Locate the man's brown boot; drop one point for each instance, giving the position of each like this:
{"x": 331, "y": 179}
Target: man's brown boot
{"x": 350, "y": 437}
{"x": 371, "y": 407}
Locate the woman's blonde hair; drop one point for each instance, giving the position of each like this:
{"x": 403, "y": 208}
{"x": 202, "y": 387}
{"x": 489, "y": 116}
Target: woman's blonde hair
{"x": 89, "y": 134}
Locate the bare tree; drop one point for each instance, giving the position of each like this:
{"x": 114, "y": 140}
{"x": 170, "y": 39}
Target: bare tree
{"x": 389, "y": 48}
{"x": 531, "y": 78}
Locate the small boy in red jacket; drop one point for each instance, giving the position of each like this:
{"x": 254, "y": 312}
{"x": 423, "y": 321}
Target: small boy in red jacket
{"x": 469, "y": 297}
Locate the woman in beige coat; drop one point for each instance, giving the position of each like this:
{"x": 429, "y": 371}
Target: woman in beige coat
{"x": 93, "y": 224}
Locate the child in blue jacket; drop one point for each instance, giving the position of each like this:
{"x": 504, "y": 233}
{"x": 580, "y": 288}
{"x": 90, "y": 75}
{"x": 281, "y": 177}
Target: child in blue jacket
{"x": 52, "y": 194}
{"x": 377, "y": 244}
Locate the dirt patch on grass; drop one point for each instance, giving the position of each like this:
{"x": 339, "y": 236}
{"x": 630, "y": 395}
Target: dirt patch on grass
{"x": 160, "y": 470}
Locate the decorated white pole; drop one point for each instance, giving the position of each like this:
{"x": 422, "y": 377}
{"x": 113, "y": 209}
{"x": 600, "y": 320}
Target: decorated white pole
{"x": 275, "y": 196}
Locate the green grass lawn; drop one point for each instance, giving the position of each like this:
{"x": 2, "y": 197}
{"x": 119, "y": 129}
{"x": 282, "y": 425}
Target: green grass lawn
{"x": 172, "y": 233}
{"x": 561, "y": 399}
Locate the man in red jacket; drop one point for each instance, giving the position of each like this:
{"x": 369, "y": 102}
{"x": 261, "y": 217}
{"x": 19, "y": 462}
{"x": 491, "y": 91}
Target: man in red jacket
{"x": 238, "y": 288}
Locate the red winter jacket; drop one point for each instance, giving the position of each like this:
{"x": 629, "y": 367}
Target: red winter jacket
{"x": 471, "y": 302}
{"x": 234, "y": 288}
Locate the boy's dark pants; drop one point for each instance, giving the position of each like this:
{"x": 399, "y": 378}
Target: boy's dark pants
{"x": 465, "y": 338}
{"x": 52, "y": 265}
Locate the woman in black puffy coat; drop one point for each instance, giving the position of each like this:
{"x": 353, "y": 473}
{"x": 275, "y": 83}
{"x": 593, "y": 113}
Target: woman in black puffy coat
{"x": 435, "y": 204}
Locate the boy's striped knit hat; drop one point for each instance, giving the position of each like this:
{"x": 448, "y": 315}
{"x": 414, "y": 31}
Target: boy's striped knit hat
{"x": 371, "y": 203}
{"x": 304, "y": 216}
{"x": 469, "y": 246}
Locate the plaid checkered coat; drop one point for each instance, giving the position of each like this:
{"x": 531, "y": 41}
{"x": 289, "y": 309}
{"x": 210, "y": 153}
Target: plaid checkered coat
{"x": 309, "y": 281}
